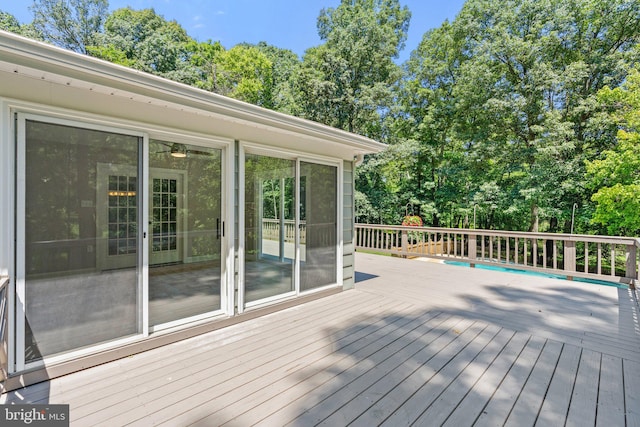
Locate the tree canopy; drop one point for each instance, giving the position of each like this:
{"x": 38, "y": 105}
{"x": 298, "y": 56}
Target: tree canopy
{"x": 508, "y": 117}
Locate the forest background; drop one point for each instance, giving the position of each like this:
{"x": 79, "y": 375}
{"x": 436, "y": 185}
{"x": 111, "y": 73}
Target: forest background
{"x": 517, "y": 115}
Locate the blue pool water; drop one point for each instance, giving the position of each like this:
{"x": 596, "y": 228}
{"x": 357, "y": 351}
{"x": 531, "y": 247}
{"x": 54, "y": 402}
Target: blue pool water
{"x": 537, "y": 273}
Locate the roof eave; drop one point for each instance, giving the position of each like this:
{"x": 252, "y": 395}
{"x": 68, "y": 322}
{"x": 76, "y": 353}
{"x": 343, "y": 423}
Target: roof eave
{"x": 30, "y": 53}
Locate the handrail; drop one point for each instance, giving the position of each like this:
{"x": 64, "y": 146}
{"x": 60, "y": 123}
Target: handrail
{"x": 612, "y": 258}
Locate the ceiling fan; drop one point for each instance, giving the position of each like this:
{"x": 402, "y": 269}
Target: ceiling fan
{"x": 181, "y": 151}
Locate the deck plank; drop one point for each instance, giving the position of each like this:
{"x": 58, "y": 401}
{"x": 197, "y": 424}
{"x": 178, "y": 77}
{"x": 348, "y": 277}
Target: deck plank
{"x": 415, "y": 342}
{"x": 632, "y": 392}
{"x": 471, "y": 406}
{"x": 221, "y": 375}
{"x": 582, "y": 409}
{"x": 556, "y": 402}
{"x": 499, "y": 407}
{"x": 425, "y": 328}
{"x": 363, "y": 399}
{"x": 325, "y": 402}
{"x": 525, "y": 411}
{"x": 610, "y": 410}
{"x": 446, "y": 367}
{"x": 436, "y": 337}
{"x": 381, "y": 346}
{"x": 459, "y": 389}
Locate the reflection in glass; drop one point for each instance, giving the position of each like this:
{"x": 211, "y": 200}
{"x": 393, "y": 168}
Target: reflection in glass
{"x": 185, "y": 238}
{"x": 74, "y": 297}
{"x": 269, "y": 245}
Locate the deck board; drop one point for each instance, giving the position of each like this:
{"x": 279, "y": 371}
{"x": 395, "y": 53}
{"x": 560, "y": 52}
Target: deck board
{"x": 584, "y": 400}
{"x": 471, "y": 406}
{"x": 502, "y": 400}
{"x": 610, "y": 410}
{"x": 415, "y": 342}
{"x": 556, "y": 402}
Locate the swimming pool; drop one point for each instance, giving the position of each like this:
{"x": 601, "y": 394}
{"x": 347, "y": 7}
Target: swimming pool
{"x": 537, "y": 273}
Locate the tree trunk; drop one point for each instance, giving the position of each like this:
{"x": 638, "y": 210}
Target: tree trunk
{"x": 535, "y": 218}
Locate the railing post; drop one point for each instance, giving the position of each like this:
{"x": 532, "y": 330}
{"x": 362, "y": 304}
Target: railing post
{"x": 630, "y": 268}
{"x": 472, "y": 249}
{"x": 405, "y": 243}
{"x": 569, "y": 256}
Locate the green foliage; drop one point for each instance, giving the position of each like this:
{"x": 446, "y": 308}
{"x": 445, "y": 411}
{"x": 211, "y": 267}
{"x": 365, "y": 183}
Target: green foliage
{"x": 618, "y": 208}
{"x": 146, "y": 41}
{"x": 615, "y": 176}
{"x": 284, "y": 66}
{"x": 71, "y": 24}
{"x": 245, "y": 73}
{"x": 346, "y": 82}
{"x": 502, "y": 104}
{"x": 507, "y": 117}
{"x": 8, "y": 22}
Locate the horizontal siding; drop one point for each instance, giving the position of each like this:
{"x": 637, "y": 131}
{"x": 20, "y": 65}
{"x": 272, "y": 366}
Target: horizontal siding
{"x": 348, "y": 214}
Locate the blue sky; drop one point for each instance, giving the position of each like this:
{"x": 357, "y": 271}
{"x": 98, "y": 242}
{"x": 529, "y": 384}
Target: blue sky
{"x": 288, "y": 24}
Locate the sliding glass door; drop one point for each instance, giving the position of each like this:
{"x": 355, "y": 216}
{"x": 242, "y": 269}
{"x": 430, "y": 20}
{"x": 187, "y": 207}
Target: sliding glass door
{"x": 269, "y": 232}
{"x": 70, "y": 298}
{"x": 319, "y": 221}
{"x": 290, "y": 226}
{"x": 185, "y": 217}
{"x": 117, "y": 235}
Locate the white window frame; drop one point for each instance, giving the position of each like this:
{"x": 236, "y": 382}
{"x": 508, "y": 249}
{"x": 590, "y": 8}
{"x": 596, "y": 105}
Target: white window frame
{"x": 20, "y": 291}
{"x": 12, "y": 224}
{"x": 297, "y": 156}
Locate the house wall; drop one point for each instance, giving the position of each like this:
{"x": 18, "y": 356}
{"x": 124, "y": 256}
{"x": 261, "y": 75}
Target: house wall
{"x": 348, "y": 216}
{"x": 159, "y": 111}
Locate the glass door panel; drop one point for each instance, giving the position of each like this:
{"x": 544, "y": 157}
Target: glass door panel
{"x": 318, "y": 225}
{"x": 79, "y": 269}
{"x": 185, "y": 218}
{"x": 269, "y": 244}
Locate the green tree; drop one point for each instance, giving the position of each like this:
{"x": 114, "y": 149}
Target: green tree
{"x": 10, "y": 23}
{"x": 146, "y": 41}
{"x": 616, "y": 175}
{"x": 245, "y": 73}
{"x": 71, "y": 24}
{"x": 285, "y": 65}
{"x": 502, "y": 103}
{"x": 346, "y": 82}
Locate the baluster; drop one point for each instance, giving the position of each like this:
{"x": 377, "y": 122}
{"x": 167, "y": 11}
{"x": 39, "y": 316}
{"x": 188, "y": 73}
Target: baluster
{"x": 455, "y": 244}
{"x": 491, "y": 248}
{"x": 586, "y": 257}
{"x": 613, "y": 260}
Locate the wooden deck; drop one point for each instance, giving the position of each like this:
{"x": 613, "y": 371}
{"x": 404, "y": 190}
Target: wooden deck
{"x": 417, "y": 343}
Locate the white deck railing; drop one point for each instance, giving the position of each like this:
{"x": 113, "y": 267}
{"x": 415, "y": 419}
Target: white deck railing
{"x": 271, "y": 230}
{"x": 599, "y": 257}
